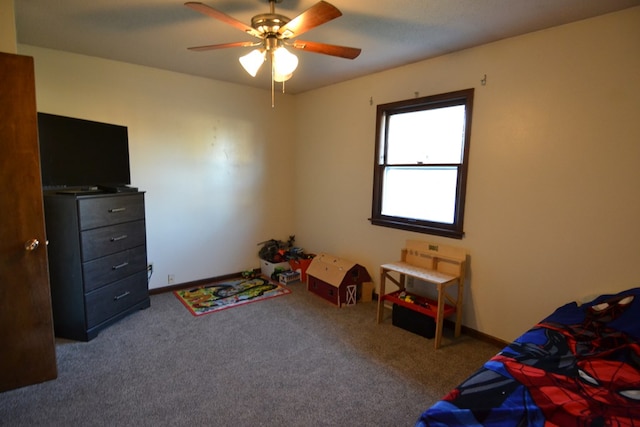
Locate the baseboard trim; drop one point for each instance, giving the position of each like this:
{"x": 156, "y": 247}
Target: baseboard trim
{"x": 470, "y": 331}
{"x": 447, "y": 323}
{"x": 196, "y": 283}
{"x": 482, "y": 336}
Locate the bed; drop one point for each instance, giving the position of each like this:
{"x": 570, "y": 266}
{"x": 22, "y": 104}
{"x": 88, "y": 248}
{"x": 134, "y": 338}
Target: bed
{"x": 580, "y": 366}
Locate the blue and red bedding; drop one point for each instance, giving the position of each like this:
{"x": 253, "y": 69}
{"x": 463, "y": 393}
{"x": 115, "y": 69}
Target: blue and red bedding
{"x": 578, "y": 367}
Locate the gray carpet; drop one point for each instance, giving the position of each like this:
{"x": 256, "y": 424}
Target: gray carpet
{"x": 293, "y": 360}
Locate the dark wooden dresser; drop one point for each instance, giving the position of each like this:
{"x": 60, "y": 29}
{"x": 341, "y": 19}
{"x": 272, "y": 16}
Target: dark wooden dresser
{"x": 97, "y": 260}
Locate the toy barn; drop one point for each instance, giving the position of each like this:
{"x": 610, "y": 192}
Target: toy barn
{"x": 335, "y": 279}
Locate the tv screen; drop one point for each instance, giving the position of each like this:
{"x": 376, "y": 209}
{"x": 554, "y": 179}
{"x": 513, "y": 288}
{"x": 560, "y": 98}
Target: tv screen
{"x": 77, "y": 153}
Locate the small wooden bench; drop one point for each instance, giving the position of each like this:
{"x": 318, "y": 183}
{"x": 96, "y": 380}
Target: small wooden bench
{"x": 443, "y": 266}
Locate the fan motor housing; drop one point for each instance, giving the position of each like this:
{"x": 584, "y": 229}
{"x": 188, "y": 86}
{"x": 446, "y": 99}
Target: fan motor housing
{"x": 269, "y": 23}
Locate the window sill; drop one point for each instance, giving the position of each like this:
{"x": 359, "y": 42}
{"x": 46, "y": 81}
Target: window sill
{"x": 418, "y": 228}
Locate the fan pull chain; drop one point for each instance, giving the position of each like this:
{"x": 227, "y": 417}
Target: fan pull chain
{"x": 273, "y": 83}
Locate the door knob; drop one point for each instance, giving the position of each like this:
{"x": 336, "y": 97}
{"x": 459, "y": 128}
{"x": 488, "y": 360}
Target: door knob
{"x": 31, "y": 244}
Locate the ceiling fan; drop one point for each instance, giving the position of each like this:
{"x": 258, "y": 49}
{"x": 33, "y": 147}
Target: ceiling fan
{"x": 276, "y": 31}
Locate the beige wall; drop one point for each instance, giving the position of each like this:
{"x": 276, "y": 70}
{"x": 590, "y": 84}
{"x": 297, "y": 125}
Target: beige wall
{"x": 552, "y": 201}
{"x": 211, "y": 156}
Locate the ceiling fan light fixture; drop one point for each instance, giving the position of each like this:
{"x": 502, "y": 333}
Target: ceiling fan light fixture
{"x": 274, "y": 30}
{"x": 252, "y": 61}
{"x": 284, "y": 63}
{"x": 281, "y": 78}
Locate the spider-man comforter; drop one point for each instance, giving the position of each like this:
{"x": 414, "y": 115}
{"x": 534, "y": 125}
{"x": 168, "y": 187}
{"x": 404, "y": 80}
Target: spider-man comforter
{"x": 578, "y": 367}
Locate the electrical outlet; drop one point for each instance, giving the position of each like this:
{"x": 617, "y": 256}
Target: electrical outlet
{"x": 171, "y": 278}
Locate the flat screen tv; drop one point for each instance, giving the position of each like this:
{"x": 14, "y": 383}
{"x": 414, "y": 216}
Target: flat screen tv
{"x": 77, "y": 153}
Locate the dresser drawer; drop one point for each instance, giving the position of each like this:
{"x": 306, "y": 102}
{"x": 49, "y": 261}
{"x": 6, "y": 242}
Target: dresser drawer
{"x": 100, "y": 271}
{"x": 103, "y": 241}
{"x": 102, "y": 211}
{"x": 112, "y": 299}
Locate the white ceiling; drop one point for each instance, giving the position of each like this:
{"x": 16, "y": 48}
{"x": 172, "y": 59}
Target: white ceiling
{"x": 391, "y": 33}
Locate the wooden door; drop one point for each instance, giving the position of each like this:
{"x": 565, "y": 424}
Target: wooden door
{"x": 27, "y": 343}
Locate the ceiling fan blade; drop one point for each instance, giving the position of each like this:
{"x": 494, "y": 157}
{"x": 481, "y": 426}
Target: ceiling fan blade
{"x": 328, "y": 49}
{"x": 223, "y": 46}
{"x": 214, "y": 13}
{"x": 317, "y": 14}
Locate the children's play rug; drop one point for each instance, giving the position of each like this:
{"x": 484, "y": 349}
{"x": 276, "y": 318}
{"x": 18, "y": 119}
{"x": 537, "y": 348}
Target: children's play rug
{"x": 218, "y": 296}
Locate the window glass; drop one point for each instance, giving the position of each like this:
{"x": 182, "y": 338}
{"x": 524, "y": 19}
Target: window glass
{"x": 421, "y": 163}
{"x": 426, "y": 137}
{"x": 399, "y": 194}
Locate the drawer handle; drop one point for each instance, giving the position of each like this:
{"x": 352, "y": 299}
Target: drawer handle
{"x": 118, "y": 297}
{"x": 115, "y": 239}
{"x": 115, "y": 210}
{"x": 116, "y": 267}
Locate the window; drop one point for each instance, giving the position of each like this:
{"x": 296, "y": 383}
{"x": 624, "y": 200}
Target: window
{"x": 421, "y": 162}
